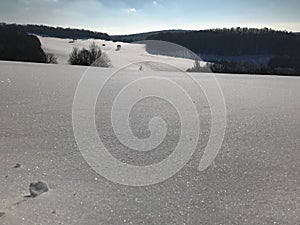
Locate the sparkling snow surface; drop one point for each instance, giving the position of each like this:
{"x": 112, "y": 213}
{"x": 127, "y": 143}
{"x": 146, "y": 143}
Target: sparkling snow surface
{"x": 253, "y": 180}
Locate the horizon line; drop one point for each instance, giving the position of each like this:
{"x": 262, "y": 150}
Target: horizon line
{"x": 151, "y": 31}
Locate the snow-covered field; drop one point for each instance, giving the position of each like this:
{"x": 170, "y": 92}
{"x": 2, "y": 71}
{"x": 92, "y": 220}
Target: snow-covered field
{"x": 134, "y": 54}
{"x": 254, "y": 179}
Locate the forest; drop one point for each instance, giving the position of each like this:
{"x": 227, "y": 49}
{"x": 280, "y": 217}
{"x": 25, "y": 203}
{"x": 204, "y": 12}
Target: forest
{"x": 17, "y": 45}
{"x": 57, "y": 32}
{"x": 282, "y": 47}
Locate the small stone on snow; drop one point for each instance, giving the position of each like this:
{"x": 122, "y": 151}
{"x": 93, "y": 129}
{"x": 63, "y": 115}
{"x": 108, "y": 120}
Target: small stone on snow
{"x": 38, "y": 188}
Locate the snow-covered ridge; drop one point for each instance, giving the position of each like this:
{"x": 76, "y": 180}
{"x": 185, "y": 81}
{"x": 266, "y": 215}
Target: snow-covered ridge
{"x": 129, "y": 54}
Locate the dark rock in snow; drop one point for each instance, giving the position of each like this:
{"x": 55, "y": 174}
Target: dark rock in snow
{"x": 18, "y": 165}
{"x": 38, "y": 188}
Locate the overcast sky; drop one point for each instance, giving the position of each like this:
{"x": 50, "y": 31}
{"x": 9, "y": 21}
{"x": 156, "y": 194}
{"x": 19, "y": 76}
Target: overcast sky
{"x": 133, "y": 16}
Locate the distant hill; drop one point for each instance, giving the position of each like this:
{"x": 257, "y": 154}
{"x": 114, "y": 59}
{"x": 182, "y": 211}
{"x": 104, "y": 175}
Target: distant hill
{"x": 142, "y": 36}
{"x": 57, "y": 32}
{"x": 282, "y": 47}
{"x": 238, "y": 48}
{"x": 235, "y": 42}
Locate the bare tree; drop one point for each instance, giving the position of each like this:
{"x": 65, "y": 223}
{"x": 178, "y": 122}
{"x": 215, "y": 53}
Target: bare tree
{"x": 50, "y": 58}
{"x": 102, "y": 61}
{"x": 95, "y": 51}
{"x": 91, "y": 57}
{"x": 73, "y": 57}
{"x": 198, "y": 68}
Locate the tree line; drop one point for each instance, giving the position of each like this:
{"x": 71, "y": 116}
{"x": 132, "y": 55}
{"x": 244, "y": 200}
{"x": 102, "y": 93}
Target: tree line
{"x": 235, "y": 41}
{"x": 16, "y": 45}
{"x": 57, "y": 32}
{"x": 283, "y": 47}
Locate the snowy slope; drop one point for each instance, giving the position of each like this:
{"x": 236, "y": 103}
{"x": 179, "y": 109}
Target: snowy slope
{"x": 257, "y": 168}
{"x": 135, "y": 54}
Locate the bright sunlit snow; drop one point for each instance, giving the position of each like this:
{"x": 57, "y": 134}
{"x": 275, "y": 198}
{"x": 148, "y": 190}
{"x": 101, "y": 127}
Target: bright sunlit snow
{"x": 129, "y": 53}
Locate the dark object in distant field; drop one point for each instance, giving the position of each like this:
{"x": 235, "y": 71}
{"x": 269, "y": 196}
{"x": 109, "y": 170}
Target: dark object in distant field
{"x": 118, "y": 47}
{"x": 38, "y": 188}
{"x": 103, "y": 45}
{"x": 18, "y": 165}
{"x": 2, "y": 214}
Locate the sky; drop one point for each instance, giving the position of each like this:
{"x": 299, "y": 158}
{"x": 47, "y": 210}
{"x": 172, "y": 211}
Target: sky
{"x": 135, "y": 16}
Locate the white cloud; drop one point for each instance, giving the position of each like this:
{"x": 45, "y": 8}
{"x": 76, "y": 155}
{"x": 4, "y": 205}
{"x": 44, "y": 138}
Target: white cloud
{"x": 156, "y": 4}
{"x": 131, "y": 10}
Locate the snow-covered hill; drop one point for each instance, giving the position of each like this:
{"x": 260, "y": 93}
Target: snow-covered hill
{"x": 257, "y": 168}
{"x": 129, "y": 53}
